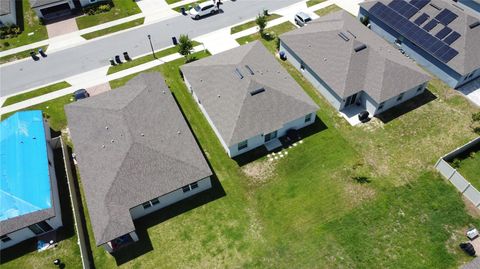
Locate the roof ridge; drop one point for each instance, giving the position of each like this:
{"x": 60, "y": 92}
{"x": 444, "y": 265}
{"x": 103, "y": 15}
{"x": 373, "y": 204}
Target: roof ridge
{"x": 237, "y": 115}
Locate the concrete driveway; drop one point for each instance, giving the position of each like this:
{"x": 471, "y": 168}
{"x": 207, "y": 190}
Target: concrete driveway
{"x": 98, "y": 89}
{"x": 62, "y": 27}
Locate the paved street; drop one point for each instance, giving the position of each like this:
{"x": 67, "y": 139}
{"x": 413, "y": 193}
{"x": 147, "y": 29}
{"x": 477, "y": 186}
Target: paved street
{"x": 62, "y": 64}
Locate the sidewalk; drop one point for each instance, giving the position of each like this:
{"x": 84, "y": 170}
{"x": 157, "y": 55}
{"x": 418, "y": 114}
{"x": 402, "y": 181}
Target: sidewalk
{"x": 90, "y": 79}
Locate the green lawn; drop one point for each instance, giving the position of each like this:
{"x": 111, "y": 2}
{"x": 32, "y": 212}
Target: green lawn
{"x": 35, "y": 93}
{"x": 276, "y": 30}
{"x": 145, "y": 59}
{"x": 53, "y": 111}
{"x": 251, "y": 24}
{"x": 326, "y": 10}
{"x": 177, "y": 9}
{"x": 122, "y": 8}
{"x": 314, "y": 2}
{"x": 29, "y": 23}
{"x": 20, "y": 55}
{"x": 114, "y": 29}
{"x": 470, "y": 168}
{"x": 172, "y": 1}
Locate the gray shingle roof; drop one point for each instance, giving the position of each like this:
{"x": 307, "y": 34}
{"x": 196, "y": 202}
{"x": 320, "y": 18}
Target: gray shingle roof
{"x": 237, "y": 114}
{"x": 5, "y": 7}
{"x": 468, "y": 45}
{"x": 14, "y": 224}
{"x": 379, "y": 70}
{"x": 132, "y": 145}
{"x": 39, "y": 3}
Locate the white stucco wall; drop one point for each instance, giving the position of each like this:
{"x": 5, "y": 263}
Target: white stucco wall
{"x": 170, "y": 198}
{"x": 11, "y": 18}
{"x": 253, "y": 142}
{"x": 56, "y": 222}
{"x": 259, "y": 140}
{"x": 316, "y": 81}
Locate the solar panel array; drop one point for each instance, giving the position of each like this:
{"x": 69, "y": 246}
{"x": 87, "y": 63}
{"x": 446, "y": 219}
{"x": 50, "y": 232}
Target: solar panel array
{"x": 419, "y": 3}
{"x": 421, "y": 19}
{"x": 430, "y": 25}
{"x": 446, "y": 16}
{"x": 443, "y": 33}
{"x": 451, "y": 38}
{"x": 420, "y": 37}
{"x": 403, "y": 8}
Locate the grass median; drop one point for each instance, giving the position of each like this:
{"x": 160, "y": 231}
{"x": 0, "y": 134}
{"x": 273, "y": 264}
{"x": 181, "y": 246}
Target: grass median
{"x": 20, "y": 55}
{"x": 314, "y": 2}
{"x": 251, "y": 24}
{"x": 114, "y": 29}
{"x": 35, "y": 93}
{"x": 327, "y": 10}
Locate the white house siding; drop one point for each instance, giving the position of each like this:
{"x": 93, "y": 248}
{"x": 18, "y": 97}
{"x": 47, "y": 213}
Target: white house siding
{"x": 10, "y": 18}
{"x": 259, "y": 140}
{"x": 38, "y": 10}
{"x": 170, "y": 198}
{"x": 308, "y": 73}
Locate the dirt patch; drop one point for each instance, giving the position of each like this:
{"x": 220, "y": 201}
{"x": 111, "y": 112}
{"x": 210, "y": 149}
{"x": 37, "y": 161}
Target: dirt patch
{"x": 471, "y": 209}
{"x": 260, "y": 171}
{"x": 358, "y": 193}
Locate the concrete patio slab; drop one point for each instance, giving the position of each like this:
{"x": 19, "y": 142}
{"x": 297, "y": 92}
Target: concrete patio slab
{"x": 472, "y": 91}
{"x": 350, "y": 113}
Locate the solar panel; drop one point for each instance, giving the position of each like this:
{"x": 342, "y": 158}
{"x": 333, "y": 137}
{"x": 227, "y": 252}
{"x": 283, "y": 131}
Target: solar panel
{"x": 451, "y": 38}
{"x": 420, "y": 20}
{"x": 430, "y": 25}
{"x": 415, "y": 34}
{"x": 419, "y": 3}
{"x": 403, "y": 8}
{"x": 443, "y": 33}
{"x": 446, "y": 16}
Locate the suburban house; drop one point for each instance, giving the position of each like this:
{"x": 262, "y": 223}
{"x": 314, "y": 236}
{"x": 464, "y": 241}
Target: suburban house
{"x": 440, "y": 36}
{"x": 29, "y": 201}
{"x": 47, "y": 9}
{"x": 353, "y": 68}
{"x": 248, "y": 98}
{"x": 8, "y": 14}
{"x": 135, "y": 154}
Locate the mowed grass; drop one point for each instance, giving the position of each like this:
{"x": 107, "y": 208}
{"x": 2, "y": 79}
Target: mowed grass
{"x": 314, "y": 2}
{"x": 29, "y": 23}
{"x": 53, "y": 111}
{"x": 20, "y": 55}
{"x": 470, "y": 168}
{"x": 114, "y": 29}
{"x": 121, "y": 9}
{"x": 35, "y": 93}
{"x": 326, "y": 10}
{"x": 275, "y": 30}
{"x": 251, "y": 24}
{"x": 145, "y": 59}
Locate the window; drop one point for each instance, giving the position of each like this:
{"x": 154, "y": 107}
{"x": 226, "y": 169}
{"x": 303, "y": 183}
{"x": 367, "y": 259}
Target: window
{"x": 270, "y": 136}
{"x": 381, "y": 105}
{"x": 302, "y": 66}
{"x": 242, "y": 145}
{"x": 419, "y": 88}
{"x": 400, "y": 97}
{"x": 154, "y": 201}
{"x": 308, "y": 117}
{"x": 5, "y": 238}
{"x": 186, "y": 188}
{"x": 194, "y": 185}
{"x": 40, "y": 228}
{"x": 146, "y": 205}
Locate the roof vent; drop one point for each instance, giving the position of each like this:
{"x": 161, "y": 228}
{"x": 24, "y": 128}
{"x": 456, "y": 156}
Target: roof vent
{"x": 112, "y": 140}
{"x": 255, "y": 92}
{"x": 239, "y": 74}
{"x": 142, "y": 134}
{"x": 249, "y": 70}
{"x": 360, "y": 47}
{"x": 475, "y": 24}
{"x": 106, "y": 127}
{"x": 218, "y": 96}
{"x": 343, "y": 36}
{"x": 103, "y": 146}
{"x": 178, "y": 132}
{"x": 354, "y": 36}
{"x": 435, "y": 6}
{"x": 164, "y": 92}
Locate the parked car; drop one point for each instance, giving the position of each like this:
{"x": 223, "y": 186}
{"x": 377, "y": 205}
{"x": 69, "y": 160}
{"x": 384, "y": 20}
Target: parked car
{"x": 203, "y": 9}
{"x": 302, "y": 18}
{"x": 80, "y": 94}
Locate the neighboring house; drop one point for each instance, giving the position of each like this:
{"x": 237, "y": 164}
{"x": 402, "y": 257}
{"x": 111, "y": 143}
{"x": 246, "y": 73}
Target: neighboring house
{"x": 136, "y": 154}
{"x": 248, "y": 98}
{"x": 29, "y": 201}
{"x": 8, "y": 14}
{"x": 351, "y": 66}
{"x": 48, "y": 9}
{"x": 437, "y": 34}
{"x": 473, "y": 4}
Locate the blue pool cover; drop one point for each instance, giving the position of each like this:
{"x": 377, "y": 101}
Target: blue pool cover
{"x": 24, "y": 178}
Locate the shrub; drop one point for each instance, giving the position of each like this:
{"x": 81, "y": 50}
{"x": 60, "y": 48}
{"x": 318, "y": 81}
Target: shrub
{"x": 456, "y": 163}
{"x": 9, "y": 31}
{"x": 185, "y": 46}
{"x": 97, "y": 8}
{"x": 261, "y": 21}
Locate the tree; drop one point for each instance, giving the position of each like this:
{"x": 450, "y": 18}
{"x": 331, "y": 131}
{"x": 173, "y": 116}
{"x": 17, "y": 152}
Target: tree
{"x": 476, "y": 122}
{"x": 185, "y": 46}
{"x": 261, "y": 22}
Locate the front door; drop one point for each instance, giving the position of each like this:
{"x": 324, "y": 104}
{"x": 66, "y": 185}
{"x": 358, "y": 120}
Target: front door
{"x": 351, "y": 100}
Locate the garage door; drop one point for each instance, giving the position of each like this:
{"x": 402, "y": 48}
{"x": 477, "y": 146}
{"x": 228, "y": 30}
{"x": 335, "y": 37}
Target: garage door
{"x": 56, "y": 11}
